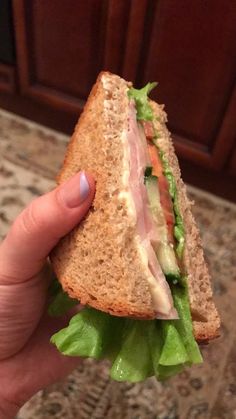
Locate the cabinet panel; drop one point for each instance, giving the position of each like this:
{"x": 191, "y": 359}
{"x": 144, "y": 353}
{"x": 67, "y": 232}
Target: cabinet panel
{"x": 232, "y": 164}
{"x": 7, "y": 78}
{"x": 7, "y": 50}
{"x": 62, "y": 46}
{"x": 191, "y": 52}
{"x": 66, "y": 38}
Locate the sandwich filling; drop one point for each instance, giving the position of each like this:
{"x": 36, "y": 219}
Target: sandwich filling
{"x": 151, "y": 183}
{"x": 147, "y": 228}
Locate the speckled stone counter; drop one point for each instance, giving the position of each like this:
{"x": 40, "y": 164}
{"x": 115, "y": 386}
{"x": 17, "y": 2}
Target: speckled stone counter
{"x": 30, "y": 157}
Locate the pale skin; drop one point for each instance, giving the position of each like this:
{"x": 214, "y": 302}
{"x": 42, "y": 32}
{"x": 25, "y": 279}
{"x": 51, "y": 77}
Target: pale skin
{"x": 28, "y": 362}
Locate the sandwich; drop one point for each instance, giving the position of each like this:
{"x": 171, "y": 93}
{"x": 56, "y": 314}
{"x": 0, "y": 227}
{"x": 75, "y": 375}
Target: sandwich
{"x": 135, "y": 263}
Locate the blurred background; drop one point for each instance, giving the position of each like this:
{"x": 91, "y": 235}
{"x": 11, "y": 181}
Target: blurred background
{"x": 50, "y": 55}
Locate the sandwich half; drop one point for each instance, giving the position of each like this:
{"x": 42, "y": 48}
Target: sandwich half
{"x": 137, "y": 254}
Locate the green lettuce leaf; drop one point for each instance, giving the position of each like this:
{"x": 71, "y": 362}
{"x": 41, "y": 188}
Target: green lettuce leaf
{"x": 137, "y": 349}
{"x": 179, "y": 232}
{"x": 61, "y": 302}
{"x": 87, "y": 334}
{"x": 54, "y": 287}
{"x": 140, "y": 96}
{"x": 184, "y": 324}
{"x": 165, "y": 372}
{"x": 173, "y": 351}
{"x": 159, "y": 349}
{"x": 133, "y": 362}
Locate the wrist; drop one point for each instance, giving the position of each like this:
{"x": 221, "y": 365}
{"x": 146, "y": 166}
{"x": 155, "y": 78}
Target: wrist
{"x": 8, "y": 410}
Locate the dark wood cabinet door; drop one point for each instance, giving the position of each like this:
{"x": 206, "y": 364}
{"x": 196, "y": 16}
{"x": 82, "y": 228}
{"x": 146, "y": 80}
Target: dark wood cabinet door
{"x": 57, "y": 41}
{"x": 62, "y": 46}
{"x": 190, "y": 49}
{"x": 232, "y": 165}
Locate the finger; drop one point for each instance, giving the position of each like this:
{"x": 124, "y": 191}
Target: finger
{"x": 37, "y": 365}
{"x": 21, "y": 308}
{"x": 40, "y": 226}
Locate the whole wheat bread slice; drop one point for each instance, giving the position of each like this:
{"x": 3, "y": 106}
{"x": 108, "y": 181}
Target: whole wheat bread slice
{"x": 206, "y": 320}
{"x": 99, "y": 262}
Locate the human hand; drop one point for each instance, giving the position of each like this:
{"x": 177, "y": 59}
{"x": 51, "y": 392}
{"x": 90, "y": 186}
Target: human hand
{"x": 28, "y": 362}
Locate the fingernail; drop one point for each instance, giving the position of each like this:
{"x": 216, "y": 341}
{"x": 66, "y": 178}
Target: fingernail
{"x": 75, "y": 191}
{"x": 83, "y": 186}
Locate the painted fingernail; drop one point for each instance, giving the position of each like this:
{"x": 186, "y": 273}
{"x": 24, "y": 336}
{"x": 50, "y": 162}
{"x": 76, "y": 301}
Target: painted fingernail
{"x": 75, "y": 191}
{"x": 83, "y": 186}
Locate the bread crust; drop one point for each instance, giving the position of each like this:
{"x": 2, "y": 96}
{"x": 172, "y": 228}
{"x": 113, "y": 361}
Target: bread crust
{"x": 129, "y": 294}
{"x": 121, "y": 286}
{"x": 206, "y": 321}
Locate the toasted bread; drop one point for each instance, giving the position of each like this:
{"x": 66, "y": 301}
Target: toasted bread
{"x": 99, "y": 261}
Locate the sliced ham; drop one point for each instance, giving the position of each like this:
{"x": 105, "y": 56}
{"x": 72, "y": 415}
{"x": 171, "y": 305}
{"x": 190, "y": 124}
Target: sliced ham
{"x": 146, "y": 229}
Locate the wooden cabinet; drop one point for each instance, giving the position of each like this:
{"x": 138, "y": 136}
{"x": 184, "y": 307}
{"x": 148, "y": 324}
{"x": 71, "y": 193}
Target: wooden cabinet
{"x": 188, "y": 47}
{"x": 62, "y": 46}
{"x": 232, "y": 163}
{"x": 191, "y": 51}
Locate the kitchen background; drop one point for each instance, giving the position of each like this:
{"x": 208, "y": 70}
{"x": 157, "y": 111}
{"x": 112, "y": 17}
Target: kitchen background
{"x": 50, "y": 55}
{"x": 51, "y": 52}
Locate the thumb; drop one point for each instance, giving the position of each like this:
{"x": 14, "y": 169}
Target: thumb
{"x": 40, "y": 226}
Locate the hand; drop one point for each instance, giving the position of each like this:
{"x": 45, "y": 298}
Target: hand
{"x": 28, "y": 362}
